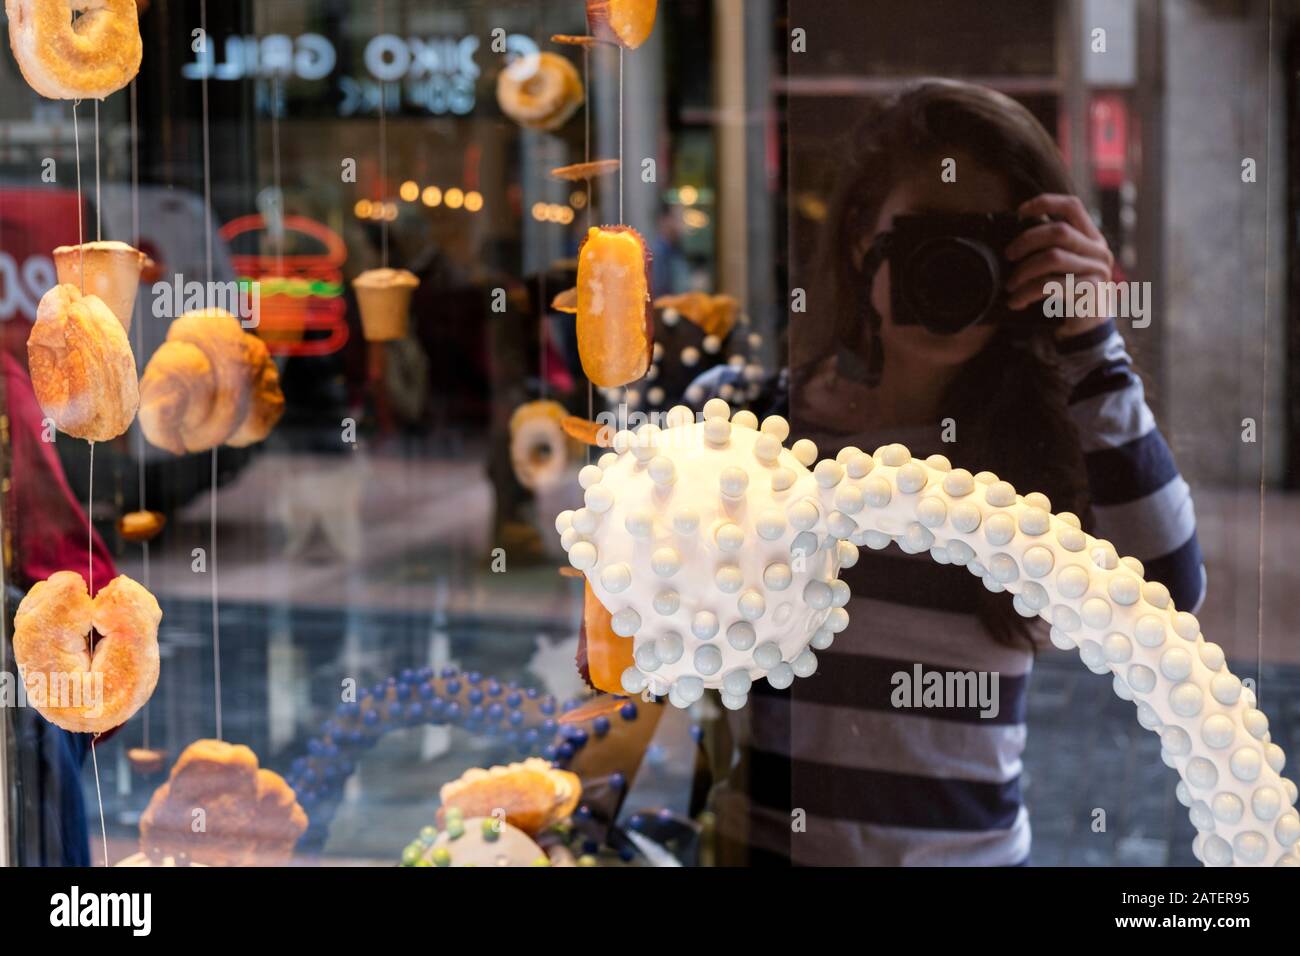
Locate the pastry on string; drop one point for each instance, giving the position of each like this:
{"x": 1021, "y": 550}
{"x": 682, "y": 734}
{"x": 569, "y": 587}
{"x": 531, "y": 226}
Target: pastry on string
{"x": 627, "y": 23}
{"x": 384, "y": 300}
{"x": 576, "y": 172}
{"x": 220, "y": 808}
{"x": 210, "y": 383}
{"x": 540, "y": 91}
{"x": 111, "y": 270}
{"x": 82, "y": 366}
{"x": 540, "y": 450}
{"x": 67, "y": 58}
{"x": 615, "y": 325}
{"x": 141, "y": 525}
{"x": 82, "y": 688}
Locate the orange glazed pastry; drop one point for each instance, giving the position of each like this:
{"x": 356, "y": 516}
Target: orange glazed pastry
{"x": 70, "y": 685}
{"x": 615, "y": 324}
{"x": 533, "y": 794}
{"x": 250, "y": 817}
{"x": 141, "y": 525}
{"x": 602, "y": 654}
{"x": 65, "y": 59}
{"x": 625, "y": 22}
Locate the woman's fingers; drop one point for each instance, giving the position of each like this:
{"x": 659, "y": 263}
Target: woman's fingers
{"x": 1060, "y": 234}
{"x": 1049, "y": 262}
{"x": 1061, "y": 206}
{"x": 1041, "y": 289}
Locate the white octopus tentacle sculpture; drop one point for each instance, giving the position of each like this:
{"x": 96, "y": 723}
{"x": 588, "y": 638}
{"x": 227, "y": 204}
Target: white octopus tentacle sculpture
{"x": 717, "y": 551}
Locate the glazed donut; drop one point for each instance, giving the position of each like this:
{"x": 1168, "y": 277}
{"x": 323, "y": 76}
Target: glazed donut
{"x": 539, "y": 448}
{"x": 90, "y": 57}
{"x": 540, "y": 91}
{"x": 82, "y": 367}
{"x": 71, "y": 685}
{"x": 209, "y": 383}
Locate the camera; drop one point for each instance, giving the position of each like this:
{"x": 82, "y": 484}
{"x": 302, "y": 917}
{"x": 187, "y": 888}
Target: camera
{"x": 948, "y": 271}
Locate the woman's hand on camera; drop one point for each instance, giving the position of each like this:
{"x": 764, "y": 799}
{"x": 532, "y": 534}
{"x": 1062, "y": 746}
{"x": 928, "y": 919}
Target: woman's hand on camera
{"x": 1070, "y": 244}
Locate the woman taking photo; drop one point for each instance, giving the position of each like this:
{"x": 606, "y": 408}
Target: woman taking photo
{"x": 848, "y": 768}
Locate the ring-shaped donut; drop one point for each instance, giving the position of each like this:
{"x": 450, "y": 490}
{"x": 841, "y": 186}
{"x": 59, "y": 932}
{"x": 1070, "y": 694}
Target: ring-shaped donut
{"x": 88, "y": 57}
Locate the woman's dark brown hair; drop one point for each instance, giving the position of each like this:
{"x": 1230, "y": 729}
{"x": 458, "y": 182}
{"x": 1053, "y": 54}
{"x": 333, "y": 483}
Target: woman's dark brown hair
{"x": 1009, "y": 402}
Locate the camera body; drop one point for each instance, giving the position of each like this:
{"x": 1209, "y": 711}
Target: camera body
{"x": 948, "y": 271}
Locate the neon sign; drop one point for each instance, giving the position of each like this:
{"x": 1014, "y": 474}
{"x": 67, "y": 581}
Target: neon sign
{"x": 302, "y": 306}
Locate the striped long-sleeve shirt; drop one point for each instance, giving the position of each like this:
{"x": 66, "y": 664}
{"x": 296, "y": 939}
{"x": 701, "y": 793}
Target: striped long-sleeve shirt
{"x": 854, "y": 766}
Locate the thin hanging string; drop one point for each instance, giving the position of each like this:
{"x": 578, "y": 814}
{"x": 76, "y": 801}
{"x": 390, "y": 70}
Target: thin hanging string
{"x": 383, "y": 156}
{"x": 1263, "y": 379}
{"x": 212, "y": 496}
{"x": 99, "y": 204}
{"x": 81, "y": 230}
{"x": 586, "y": 158}
{"x": 90, "y": 495}
{"x": 139, "y": 336}
{"x": 275, "y": 175}
{"x": 90, "y": 588}
{"x": 207, "y": 150}
{"x": 620, "y": 135}
{"x": 586, "y": 115}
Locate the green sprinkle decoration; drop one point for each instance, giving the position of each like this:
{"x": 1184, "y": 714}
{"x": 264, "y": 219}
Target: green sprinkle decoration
{"x": 456, "y": 828}
{"x": 442, "y": 856}
{"x": 428, "y": 835}
{"x": 490, "y": 831}
{"x": 410, "y": 854}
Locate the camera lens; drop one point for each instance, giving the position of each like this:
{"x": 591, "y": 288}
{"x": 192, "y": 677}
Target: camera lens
{"x": 950, "y": 283}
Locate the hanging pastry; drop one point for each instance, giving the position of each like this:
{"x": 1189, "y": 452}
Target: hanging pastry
{"x": 88, "y": 57}
{"x": 82, "y": 367}
{"x": 628, "y": 23}
{"x": 384, "y": 299}
{"x": 540, "y": 91}
{"x": 210, "y": 383}
{"x": 112, "y": 272}
{"x": 69, "y": 684}
{"x": 615, "y": 324}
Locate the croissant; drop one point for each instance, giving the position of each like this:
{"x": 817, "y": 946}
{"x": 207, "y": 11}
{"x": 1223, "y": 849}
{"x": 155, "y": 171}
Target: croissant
{"x": 83, "y": 370}
{"x": 209, "y": 383}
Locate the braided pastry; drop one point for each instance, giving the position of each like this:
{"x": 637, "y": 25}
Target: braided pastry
{"x": 65, "y": 59}
{"x": 71, "y": 685}
{"x": 210, "y": 383}
{"x": 83, "y": 370}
